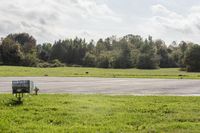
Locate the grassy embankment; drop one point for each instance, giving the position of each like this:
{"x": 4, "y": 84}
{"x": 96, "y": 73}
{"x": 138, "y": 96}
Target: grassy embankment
{"x": 98, "y": 113}
{"x": 174, "y": 73}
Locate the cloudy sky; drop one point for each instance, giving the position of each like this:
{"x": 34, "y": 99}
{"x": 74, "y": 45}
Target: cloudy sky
{"x": 50, "y": 20}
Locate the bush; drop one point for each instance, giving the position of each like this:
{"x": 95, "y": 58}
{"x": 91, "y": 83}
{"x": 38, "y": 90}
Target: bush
{"x": 44, "y": 65}
{"x": 76, "y": 65}
{"x": 30, "y": 60}
{"x": 54, "y": 63}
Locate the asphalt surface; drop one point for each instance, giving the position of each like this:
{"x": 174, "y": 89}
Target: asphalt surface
{"x": 111, "y": 86}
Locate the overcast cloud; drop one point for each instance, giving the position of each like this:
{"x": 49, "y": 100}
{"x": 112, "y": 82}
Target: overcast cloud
{"x": 50, "y": 20}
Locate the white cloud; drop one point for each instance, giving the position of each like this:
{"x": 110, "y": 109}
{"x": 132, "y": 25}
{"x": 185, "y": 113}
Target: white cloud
{"x": 170, "y": 24}
{"x": 160, "y": 9}
{"x": 49, "y": 20}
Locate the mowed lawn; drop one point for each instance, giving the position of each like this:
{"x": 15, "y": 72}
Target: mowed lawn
{"x": 9, "y": 71}
{"x": 99, "y": 113}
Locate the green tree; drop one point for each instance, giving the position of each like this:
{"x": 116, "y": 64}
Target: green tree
{"x": 91, "y": 47}
{"x": 182, "y": 49}
{"x": 44, "y": 51}
{"x": 1, "y": 61}
{"x": 30, "y": 60}
{"x": 11, "y": 52}
{"x": 148, "y": 58}
{"x": 58, "y": 51}
{"x": 89, "y": 60}
{"x": 69, "y": 51}
{"x": 18, "y": 49}
{"x": 163, "y": 54}
{"x": 27, "y": 42}
{"x": 135, "y": 41}
{"x": 134, "y": 54}
{"x": 121, "y": 55}
{"x": 103, "y": 60}
{"x": 192, "y": 59}
{"x": 102, "y": 46}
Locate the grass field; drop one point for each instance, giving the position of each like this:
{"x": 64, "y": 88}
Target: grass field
{"x": 99, "y": 113}
{"x": 9, "y": 71}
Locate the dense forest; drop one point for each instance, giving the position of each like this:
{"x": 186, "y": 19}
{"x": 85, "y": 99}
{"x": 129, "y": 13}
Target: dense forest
{"x": 130, "y": 51}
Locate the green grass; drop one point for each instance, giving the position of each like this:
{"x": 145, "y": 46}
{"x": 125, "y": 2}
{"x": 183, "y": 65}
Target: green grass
{"x": 100, "y": 113}
{"x": 174, "y": 73}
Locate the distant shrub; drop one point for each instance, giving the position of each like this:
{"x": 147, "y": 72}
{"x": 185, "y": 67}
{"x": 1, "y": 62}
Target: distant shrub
{"x": 183, "y": 69}
{"x": 54, "y": 63}
{"x": 76, "y": 65}
{"x": 43, "y": 65}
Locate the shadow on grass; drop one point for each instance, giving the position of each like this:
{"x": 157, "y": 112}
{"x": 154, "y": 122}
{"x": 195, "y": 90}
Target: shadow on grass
{"x": 13, "y": 102}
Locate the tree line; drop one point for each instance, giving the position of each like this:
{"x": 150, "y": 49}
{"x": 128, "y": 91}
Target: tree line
{"x": 130, "y": 51}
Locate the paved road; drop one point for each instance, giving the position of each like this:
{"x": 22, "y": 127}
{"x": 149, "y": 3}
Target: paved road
{"x": 114, "y": 86}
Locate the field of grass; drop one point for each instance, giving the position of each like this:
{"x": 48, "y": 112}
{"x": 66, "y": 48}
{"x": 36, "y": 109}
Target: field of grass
{"x": 99, "y": 113}
{"x": 9, "y": 71}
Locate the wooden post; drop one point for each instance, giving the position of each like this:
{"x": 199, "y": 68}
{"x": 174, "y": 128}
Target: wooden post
{"x": 19, "y": 96}
{"x": 36, "y": 90}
